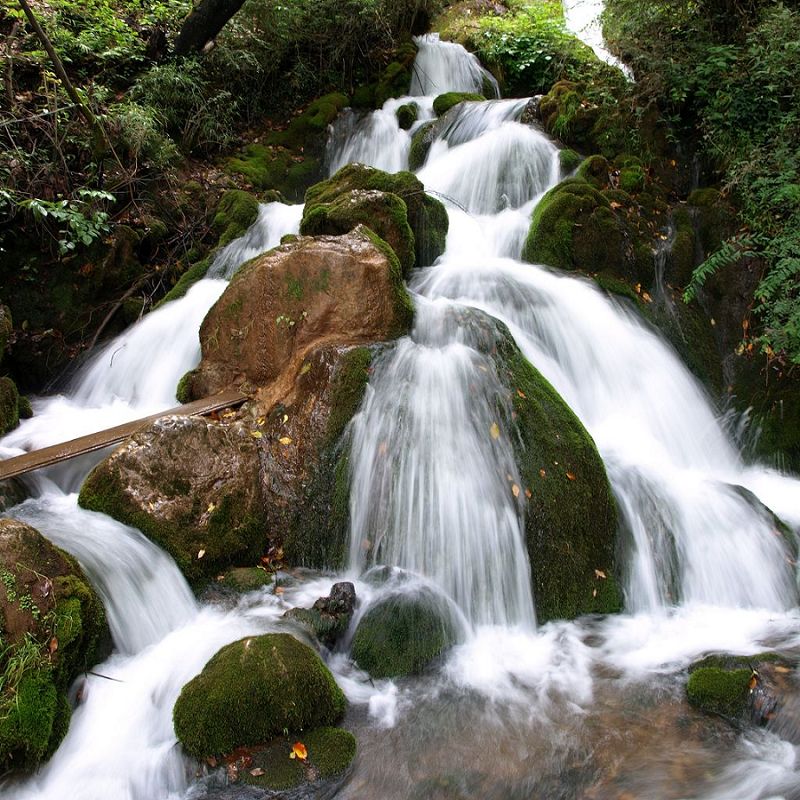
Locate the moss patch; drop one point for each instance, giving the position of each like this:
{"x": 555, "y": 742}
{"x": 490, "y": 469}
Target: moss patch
{"x": 9, "y": 405}
{"x": 444, "y": 102}
{"x": 251, "y": 691}
{"x": 407, "y": 115}
{"x": 719, "y": 691}
{"x": 401, "y": 635}
{"x": 236, "y": 212}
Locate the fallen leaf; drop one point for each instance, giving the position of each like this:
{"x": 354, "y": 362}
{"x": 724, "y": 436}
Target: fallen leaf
{"x": 299, "y": 751}
{"x": 285, "y": 418}
{"x": 646, "y": 297}
{"x": 594, "y": 592}
{"x": 522, "y": 394}
{"x": 515, "y": 490}
{"x": 528, "y": 494}
{"x": 285, "y": 440}
{"x": 257, "y": 772}
{"x": 570, "y": 476}
{"x": 211, "y": 507}
{"x": 256, "y": 434}
{"x": 53, "y": 646}
{"x": 753, "y": 681}
{"x": 261, "y": 420}
{"x": 200, "y": 553}
{"x": 229, "y": 414}
{"x": 598, "y": 573}
{"x": 279, "y": 590}
{"x": 305, "y": 368}
{"x": 495, "y": 430}
{"x": 542, "y": 473}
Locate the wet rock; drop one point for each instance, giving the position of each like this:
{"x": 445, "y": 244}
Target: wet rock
{"x": 192, "y": 486}
{"x": 329, "y": 617}
{"x": 444, "y": 102}
{"x": 407, "y": 115}
{"x": 402, "y": 633}
{"x": 382, "y": 212}
{"x": 426, "y": 216}
{"x": 252, "y": 691}
{"x": 51, "y": 627}
{"x": 283, "y": 304}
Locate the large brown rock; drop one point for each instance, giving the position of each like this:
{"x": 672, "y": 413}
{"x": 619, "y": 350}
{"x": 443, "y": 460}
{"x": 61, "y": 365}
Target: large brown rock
{"x": 192, "y": 486}
{"x": 279, "y": 307}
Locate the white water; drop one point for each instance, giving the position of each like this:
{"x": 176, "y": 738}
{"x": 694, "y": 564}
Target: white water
{"x": 430, "y": 493}
{"x": 583, "y": 19}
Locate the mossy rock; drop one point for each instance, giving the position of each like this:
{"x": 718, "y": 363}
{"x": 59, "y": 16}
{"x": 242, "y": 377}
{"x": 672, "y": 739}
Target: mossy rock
{"x": 246, "y": 579}
{"x": 595, "y": 170}
{"x": 427, "y": 217}
{"x": 9, "y": 405}
{"x": 569, "y": 159}
{"x": 632, "y": 179}
{"x": 407, "y": 115}
{"x": 402, "y": 634}
{"x": 715, "y": 690}
{"x": 44, "y": 599}
{"x": 564, "y": 115}
{"x": 421, "y": 143}
{"x": 394, "y": 80}
{"x": 251, "y": 691}
{"x": 570, "y": 513}
{"x": 236, "y": 212}
{"x": 384, "y": 213}
{"x": 330, "y": 752}
{"x": 317, "y": 532}
{"x": 6, "y": 327}
{"x": 444, "y": 102}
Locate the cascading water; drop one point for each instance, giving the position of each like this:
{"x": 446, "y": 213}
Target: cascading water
{"x": 704, "y": 567}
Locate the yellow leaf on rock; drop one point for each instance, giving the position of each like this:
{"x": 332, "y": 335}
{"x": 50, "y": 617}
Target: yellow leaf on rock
{"x": 211, "y": 507}
{"x": 528, "y": 494}
{"x": 542, "y": 473}
{"x": 299, "y": 751}
{"x": 515, "y": 490}
{"x": 257, "y": 772}
{"x": 256, "y": 434}
{"x": 521, "y": 394}
{"x": 598, "y": 573}
{"x": 570, "y": 476}
{"x": 495, "y": 430}
{"x": 285, "y": 418}
{"x": 200, "y": 553}
{"x": 285, "y": 440}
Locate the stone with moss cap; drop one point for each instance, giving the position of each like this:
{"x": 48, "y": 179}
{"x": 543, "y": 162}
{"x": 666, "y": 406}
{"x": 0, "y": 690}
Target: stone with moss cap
{"x": 570, "y": 513}
{"x": 407, "y": 115}
{"x": 236, "y": 212}
{"x": 382, "y": 212}
{"x": 426, "y": 216}
{"x": 402, "y": 633}
{"x": 444, "y": 102}
{"x": 251, "y": 691}
{"x": 52, "y": 627}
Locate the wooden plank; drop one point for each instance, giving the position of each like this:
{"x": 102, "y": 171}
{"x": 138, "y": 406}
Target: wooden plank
{"x": 47, "y": 456}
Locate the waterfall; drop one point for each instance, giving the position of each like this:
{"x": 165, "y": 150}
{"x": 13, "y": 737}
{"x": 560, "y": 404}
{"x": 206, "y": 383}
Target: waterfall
{"x": 704, "y": 566}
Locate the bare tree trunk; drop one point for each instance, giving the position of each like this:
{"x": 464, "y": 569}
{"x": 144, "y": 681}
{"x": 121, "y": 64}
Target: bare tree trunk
{"x": 204, "y": 22}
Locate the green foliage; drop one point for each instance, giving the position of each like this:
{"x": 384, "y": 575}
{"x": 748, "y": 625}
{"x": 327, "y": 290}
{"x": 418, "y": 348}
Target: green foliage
{"x": 730, "y": 72}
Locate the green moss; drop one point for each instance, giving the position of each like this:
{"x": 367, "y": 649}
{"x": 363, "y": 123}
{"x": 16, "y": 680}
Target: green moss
{"x": 189, "y": 278}
{"x": 407, "y": 115}
{"x": 6, "y": 327}
{"x": 421, "y": 143}
{"x": 719, "y": 691}
{"x": 281, "y": 772}
{"x": 251, "y": 691}
{"x": 183, "y": 392}
{"x": 595, "y": 170}
{"x": 330, "y": 750}
{"x": 384, "y": 213}
{"x": 364, "y": 97}
{"x": 570, "y": 514}
{"x": 349, "y": 385}
{"x": 401, "y": 635}
{"x": 246, "y": 579}
{"x": 427, "y": 217}
{"x": 611, "y": 284}
{"x": 569, "y": 160}
{"x": 394, "y": 82}
{"x": 705, "y": 198}
{"x": 9, "y": 405}
{"x": 236, "y": 212}
{"x": 444, "y": 102}
{"x": 632, "y": 179}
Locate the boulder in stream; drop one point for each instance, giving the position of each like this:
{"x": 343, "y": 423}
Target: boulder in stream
{"x": 254, "y": 690}
{"x": 52, "y": 625}
{"x": 329, "y": 617}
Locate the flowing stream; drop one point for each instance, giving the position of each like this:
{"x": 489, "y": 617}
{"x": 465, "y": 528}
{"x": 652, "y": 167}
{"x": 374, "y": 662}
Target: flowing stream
{"x": 591, "y": 708}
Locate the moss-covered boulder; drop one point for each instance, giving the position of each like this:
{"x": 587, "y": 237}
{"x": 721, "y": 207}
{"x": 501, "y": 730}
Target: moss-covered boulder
{"x": 9, "y": 405}
{"x": 407, "y": 115}
{"x": 402, "y": 633}
{"x": 421, "y": 143}
{"x": 427, "y": 217}
{"x": 252, "y": 691}
{"x": 444, "y": 102}
{"x": 282, "y": 305}
{"x": 192, "y": 486}
{"x": 51, "y": 627}
{"x": 570, "y": 513}
{"x": 382, "y": 212}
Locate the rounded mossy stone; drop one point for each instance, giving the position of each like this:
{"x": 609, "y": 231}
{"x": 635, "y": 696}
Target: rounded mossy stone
{"x": 421, "y": 143}
{"x": 6, "y": 327}
{"x": 444, "y": 102}
{"x": 570, "y": 512}
{"x": 393, "y": 82}
{"x": 9, "y": 405}
{"x": 330, "y": 750}
{"x": 632, "y": 179}
{"x": 595, "y": 170}
{"x": 407, "y": 115}
{"x": 716, "y": 690}
{"x": 401, "y": 634}
{"x": 236, "y": 212}
{"x": 196, "y": 272}
{"x": 251, "y": 691}
{"x": 574, "y": 227}
{"x": 569, "y": 160}
{"x": 246, "y": 579}
{"x": 384, "y": 213}
{"x": 427, "y": 217}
